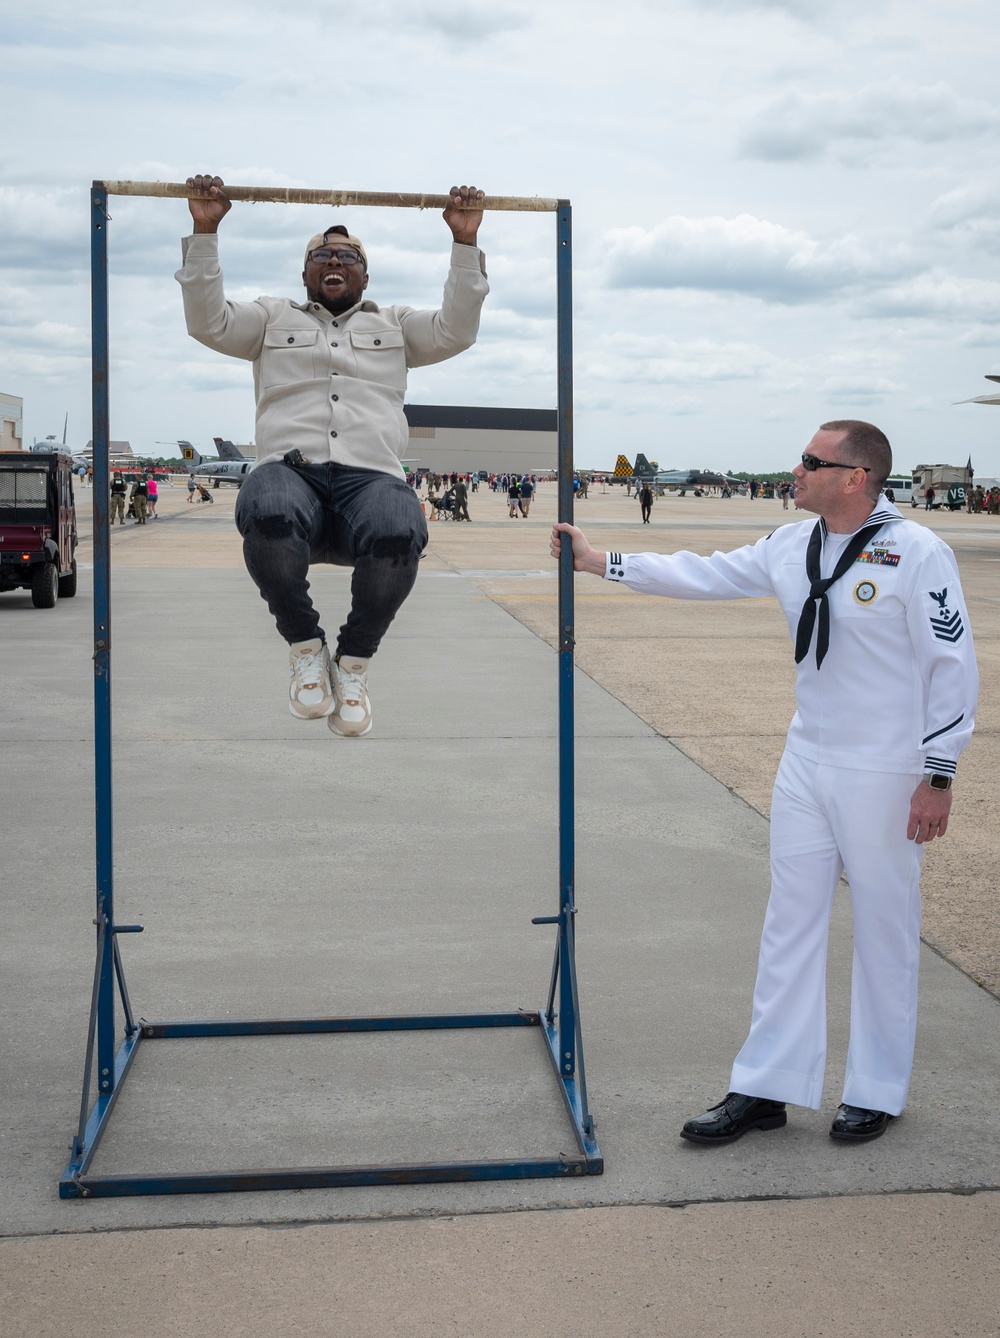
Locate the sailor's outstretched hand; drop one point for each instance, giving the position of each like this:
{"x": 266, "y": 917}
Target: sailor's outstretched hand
{"x": 464, "y": 222}
{"x": 585, "y": 558}
{"x": 208, "y": 202}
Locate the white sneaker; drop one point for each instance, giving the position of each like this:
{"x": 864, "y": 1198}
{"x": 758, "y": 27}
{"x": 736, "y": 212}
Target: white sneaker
{"x": 352, "y": 716}
{"x": 310, "y": 695}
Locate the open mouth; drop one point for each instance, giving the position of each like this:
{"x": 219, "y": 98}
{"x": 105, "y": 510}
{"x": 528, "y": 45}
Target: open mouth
{"x": 334, "y": 281}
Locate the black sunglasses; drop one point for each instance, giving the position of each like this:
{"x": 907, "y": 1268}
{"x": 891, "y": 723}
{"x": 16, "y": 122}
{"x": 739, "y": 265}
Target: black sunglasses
{"x": 811, "y": 462}
{"x": 347, "y": 256}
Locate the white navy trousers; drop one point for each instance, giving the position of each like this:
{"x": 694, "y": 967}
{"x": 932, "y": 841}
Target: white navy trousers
{"x": 826, "y": 821}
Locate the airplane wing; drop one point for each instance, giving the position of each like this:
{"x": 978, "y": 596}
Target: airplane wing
{"x": 981, "y": 399}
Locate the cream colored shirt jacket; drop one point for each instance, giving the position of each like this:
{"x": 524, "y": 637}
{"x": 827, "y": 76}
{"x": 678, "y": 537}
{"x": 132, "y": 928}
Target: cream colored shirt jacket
{"x": 330, "y": 386}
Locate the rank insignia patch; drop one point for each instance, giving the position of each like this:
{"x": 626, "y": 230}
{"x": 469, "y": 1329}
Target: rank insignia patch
{"x": 945, "y": 626}
{"x": 880, "y": 556}
{"x": 866, "y": 592}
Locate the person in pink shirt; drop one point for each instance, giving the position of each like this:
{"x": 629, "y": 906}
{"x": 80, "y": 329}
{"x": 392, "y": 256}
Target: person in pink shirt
{"x": 153, "y": 492}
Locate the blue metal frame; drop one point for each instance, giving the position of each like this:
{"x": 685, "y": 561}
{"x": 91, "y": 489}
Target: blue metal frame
{"x": 558, "y": 1022}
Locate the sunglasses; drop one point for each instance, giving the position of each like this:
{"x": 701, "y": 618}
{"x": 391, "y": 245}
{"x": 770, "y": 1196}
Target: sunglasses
{"x": 348, "y": 256}
{"x": 811, "y": 462}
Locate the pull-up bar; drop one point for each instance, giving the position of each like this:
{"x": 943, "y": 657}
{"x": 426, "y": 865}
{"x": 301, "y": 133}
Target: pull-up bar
{"x": 174, "y": 190}
{"x": 558, "y": 1019}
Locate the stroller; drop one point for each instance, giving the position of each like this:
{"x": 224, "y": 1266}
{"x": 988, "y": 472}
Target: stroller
{"x": 444, "y": 507}
{"x": 204, "y": 495}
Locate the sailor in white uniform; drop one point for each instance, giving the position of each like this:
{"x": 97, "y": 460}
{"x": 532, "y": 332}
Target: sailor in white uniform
{"x": 886, "y": 695}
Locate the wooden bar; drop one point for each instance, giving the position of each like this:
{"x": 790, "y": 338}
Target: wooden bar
{"x": 176, "y": 190}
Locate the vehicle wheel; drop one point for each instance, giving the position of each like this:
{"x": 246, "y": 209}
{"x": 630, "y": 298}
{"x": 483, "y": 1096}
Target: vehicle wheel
{"x": 44, "y": 585}
{"x": 67, "y": 584}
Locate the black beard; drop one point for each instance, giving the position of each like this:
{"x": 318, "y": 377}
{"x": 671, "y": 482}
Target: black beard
{"x": 334, "y": 305}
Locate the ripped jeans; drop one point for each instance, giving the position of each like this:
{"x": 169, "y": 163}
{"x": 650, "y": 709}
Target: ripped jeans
{"x": 291, "y": 515}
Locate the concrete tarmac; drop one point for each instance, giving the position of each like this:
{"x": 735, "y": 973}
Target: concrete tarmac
{"x": 245, "y": 843}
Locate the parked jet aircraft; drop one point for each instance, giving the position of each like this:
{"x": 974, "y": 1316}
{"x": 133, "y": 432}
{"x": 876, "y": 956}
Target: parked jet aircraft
{"x": 680, "y": 478}
{"x": 229, "y": 466}
{"x": 984, "y": 399}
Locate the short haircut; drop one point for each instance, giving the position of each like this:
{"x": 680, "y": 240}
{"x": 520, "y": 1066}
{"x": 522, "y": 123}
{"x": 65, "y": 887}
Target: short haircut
{"x": 866, "y": 445}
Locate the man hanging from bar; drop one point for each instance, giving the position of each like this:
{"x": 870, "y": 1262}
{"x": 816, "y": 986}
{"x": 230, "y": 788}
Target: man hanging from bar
{"x": 328, "y": 486}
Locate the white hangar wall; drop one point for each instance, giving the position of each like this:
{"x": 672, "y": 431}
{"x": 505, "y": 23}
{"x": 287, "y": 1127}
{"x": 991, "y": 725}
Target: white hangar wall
{"x": 460, "y": 439}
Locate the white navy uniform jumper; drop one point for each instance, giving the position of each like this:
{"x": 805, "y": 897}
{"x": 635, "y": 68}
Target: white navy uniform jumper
{"x": 886, "y": 692}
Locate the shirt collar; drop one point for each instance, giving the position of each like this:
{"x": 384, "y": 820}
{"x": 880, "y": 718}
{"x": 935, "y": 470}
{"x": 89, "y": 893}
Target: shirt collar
{"x": 320, "y": 312}
{"x": 881, "y": 513}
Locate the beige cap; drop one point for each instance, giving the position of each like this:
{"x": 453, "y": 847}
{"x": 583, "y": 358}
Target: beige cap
{"x": 338, "y": 230}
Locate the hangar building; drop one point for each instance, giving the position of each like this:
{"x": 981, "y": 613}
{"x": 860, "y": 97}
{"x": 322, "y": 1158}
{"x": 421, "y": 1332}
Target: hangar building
{"x": 449, "y": 438}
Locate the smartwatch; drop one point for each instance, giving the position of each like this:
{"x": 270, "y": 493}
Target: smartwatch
{"x": 937, "y": 781}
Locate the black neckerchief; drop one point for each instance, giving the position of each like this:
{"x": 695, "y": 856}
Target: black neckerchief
{"x": 819, "y": 585}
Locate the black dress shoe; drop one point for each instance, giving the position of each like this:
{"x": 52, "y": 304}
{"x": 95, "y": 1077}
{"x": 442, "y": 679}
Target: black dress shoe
{"x": 854, "y": 1124}
{"x": 732, "y": 1118}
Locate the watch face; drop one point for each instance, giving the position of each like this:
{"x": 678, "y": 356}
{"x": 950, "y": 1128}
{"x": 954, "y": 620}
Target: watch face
{"x": 939, "y": 782}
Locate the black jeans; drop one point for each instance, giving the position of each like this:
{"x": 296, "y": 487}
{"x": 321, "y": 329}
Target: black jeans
{"x": 294, "y": 515}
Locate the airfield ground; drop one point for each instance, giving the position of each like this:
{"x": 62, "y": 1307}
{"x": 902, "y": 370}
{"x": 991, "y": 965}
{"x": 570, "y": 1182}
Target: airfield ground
{"x": 278, "y": 870}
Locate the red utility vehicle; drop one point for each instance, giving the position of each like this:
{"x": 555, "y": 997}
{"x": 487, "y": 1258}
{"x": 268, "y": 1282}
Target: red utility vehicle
{"x": 37, "y": 526}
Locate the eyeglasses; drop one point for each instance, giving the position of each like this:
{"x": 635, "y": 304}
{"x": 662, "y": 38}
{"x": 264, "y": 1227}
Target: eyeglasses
{"x": 348, "y": 256}
{"x": 811, "y": 462}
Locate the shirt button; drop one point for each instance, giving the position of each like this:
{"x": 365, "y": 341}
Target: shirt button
{"x": 333, "y": 434}
{"x": 377, "y": 342}
{"x": 291, "y": 339}
{"x": 336, "y": 397}
{"x": 336, "y": 326}
{"x": 333, "y": 343}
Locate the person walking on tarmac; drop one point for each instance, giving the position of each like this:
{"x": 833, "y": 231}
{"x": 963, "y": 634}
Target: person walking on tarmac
{"x": 460, "y": 495}
{"x": 875, "y": 609}
{"x": 138, "y": 497}
{"x": 118, "y": 492}
{"x": 645, "y": 501}
{"x": 330, "y": 376}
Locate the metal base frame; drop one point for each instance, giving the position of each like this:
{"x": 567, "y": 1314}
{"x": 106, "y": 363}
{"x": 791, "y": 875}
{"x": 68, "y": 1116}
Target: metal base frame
{"x": 558, "y": 1021}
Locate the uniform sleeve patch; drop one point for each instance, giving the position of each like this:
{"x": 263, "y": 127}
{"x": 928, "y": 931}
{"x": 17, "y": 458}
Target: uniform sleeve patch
{"x": 946, "y": 626}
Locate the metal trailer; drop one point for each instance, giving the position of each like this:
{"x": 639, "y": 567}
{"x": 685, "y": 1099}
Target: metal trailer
{"x": 558, "y": 1018}
{"x": 951, "y": 484}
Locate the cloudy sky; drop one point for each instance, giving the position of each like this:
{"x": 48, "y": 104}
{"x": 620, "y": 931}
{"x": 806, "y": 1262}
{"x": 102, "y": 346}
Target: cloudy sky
{"x": 785, "y": 211}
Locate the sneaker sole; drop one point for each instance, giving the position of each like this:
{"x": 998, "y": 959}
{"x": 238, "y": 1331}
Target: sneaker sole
{"x": 313, "y": 714}
{"x": 767, "y": 1122}
{"x": 341, "y": 734}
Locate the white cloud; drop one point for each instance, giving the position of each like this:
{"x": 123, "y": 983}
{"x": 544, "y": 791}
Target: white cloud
{"x": 654, "y": 360}
{"x": 747, "y": 255}
{"x": 858, "y": 389}
{"x": 739, "y": 293}
{"x": 800, "y": 9}
{"x": 969, "y": 215}
{"x": 938, "y": 296}
{"x": 464, "y": 24}
{"x": 802, "y": 125}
